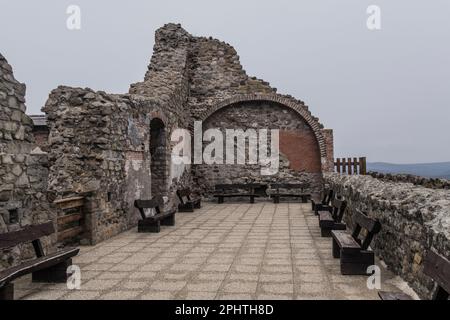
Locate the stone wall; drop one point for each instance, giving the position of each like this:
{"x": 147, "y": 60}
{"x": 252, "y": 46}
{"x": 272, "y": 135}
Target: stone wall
{"x": 23, "y": 170}
{"x": 433, "y": 183}
{"x": 299, "y": 152}
{"x": 111, "y": 146}
{"x": 414, "y": 220}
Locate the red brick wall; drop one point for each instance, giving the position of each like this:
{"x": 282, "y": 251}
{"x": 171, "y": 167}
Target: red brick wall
{"x": 301, "y": 149}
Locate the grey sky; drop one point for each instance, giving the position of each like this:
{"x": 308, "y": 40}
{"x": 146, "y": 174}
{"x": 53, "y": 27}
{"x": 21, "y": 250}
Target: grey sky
{"x": 385, "y": 93}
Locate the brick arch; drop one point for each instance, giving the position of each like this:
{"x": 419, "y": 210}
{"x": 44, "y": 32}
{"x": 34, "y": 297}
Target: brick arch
{"x": 296, "y": 106}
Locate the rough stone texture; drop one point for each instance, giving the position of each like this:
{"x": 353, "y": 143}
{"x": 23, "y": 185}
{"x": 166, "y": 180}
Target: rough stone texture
{"x": 299, "y": 152}
{"x": 117, "y": 148}
{"x": 414, "y": 219}
{"x": 23, "y": 169}
{"x": 433, "y": 183}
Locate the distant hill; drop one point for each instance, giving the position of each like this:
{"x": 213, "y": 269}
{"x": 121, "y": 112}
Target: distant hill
{"x": 429, "y": 170}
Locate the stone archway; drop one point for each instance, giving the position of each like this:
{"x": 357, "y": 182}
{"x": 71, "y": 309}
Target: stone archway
{"x": 298, "y": 107}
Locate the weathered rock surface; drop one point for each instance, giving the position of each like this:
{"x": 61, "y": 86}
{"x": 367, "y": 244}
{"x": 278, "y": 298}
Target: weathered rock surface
{"x": 414, "y": 219}
{"x": 23, "y": 173}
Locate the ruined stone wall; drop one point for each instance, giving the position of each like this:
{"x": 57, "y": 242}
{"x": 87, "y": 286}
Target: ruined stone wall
{"x": 433, "y": 183}
{"x": 299, "y": 151}
{"x": 99, "y": 144}
{"x": 23, "y": 169}
{"x": 414, "y": 220}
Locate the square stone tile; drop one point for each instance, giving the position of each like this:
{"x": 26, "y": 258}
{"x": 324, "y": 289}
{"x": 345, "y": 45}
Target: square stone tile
{"x": 82, "y": 295}
{"x": 240, "y": 287}
{"x": 158, "y": 295}
{"x": 120, "y": 295}
{"x": 206, "y": 286}
{"x": 99, "y": 284}
{"x": 168, "y": 285}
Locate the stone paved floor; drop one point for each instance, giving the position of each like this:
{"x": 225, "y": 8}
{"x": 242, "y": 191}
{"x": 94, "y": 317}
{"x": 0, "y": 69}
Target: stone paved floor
{"x": 228, "y": 251}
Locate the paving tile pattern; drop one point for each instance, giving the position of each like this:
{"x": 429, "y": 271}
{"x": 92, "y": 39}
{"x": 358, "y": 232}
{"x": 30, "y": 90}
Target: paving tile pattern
{"x": 228, "y": 251}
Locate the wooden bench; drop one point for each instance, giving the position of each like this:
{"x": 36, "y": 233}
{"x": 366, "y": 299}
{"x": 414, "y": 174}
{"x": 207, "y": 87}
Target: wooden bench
{"x": 153, "y": 223}
{"x": 331, "y": 219}
{"x": 289, "y": 186}
{"x": 353, "y": 252}
{"x": 45, "y": 268}
{"x": 437, "y": 268}
{"x": 323, "y": 203}
{"x": 252, "y": 191}
{"x": 187, "y": 202}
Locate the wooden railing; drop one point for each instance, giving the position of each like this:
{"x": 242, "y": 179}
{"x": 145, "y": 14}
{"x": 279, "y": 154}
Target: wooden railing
{"x": 351, "y": 166}
{"x": 71, "y": 224}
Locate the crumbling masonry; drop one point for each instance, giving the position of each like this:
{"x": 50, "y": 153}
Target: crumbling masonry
{"x": 112, "y": 149}
{"x": 117, "y": 148}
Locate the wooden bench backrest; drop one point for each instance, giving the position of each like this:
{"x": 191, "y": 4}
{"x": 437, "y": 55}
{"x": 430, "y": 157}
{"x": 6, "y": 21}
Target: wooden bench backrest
{"x": 244, "y": 186}
{"x": 184, "y": 193}
{"x": 339, "y": 206}
{"x": 301, "y": 186}
{"x": 438, "y": 268}
{"x": 327, "y": 196}
{"x": 373, "y": 226}
{"x": 27, "y": 234}
{"x": 155, "y": 203}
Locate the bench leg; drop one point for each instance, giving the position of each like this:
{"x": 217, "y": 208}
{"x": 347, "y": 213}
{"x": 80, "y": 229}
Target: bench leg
{"x": 305, "y": 199}
{"x": 169, "y": 221}
{"x": 276, "y": 199}
{"x": 357, "y": 263}
{"x": 55, "y": 274}
{"x": 220, "y": 200}
{"x": 325, "y": 232}
{"x": 336, "y": 250}
{"x": 146, "y": 226}
{"x": 188, "y": 207}
{"x": 198, "y": 204}
{"x": 7, "y": 292}
{"x": 252, "y": 199}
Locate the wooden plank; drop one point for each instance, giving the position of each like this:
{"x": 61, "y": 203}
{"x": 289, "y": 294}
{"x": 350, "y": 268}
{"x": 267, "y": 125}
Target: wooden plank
{"x": 355, "y": 166}
{"x": 361, "y": 165}
{"x": 345, "y": 240}
{"x": 67, "y": 200}
{"x": 338, "y": 165}
{"x": 364, "y": 168}
{"x": 371, "y": 225}
{"x": 69, "y": 218}
{"x": 438, "y": 268}
{"x": 349, "y": 163}
{"x": 10, "y": 274}
{"x": 344, "y": 166}
{"x": 28, "y": 234}
{"x": 77, "y": 203}
{"x": 69, "y": 233}
{"x": 393, "y": 296}
{"x": 157, "y": 201}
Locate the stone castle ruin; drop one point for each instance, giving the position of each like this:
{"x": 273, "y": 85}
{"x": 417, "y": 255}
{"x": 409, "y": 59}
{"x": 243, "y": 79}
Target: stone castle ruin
{"x": 117, "y": 148}
{"x": 112, "y": 149}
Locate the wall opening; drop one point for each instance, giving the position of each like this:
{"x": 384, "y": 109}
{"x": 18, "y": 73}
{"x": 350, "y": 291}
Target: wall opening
{"x": 158, "y": 157}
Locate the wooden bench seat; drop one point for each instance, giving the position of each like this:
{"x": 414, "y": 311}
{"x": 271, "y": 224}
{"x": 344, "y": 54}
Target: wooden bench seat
{"x": 322, "y": 203}
{"x": 355, "y": 256}
{"x": 298, "y": 191}
{"x": 153, "y": 223}
{"x": 437, "y": 268}
{"x": 251, "y": 191}
{"x": 188, "y": 203}
{"x": 331, "y": 219}
{"x": 44, "y": 268}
